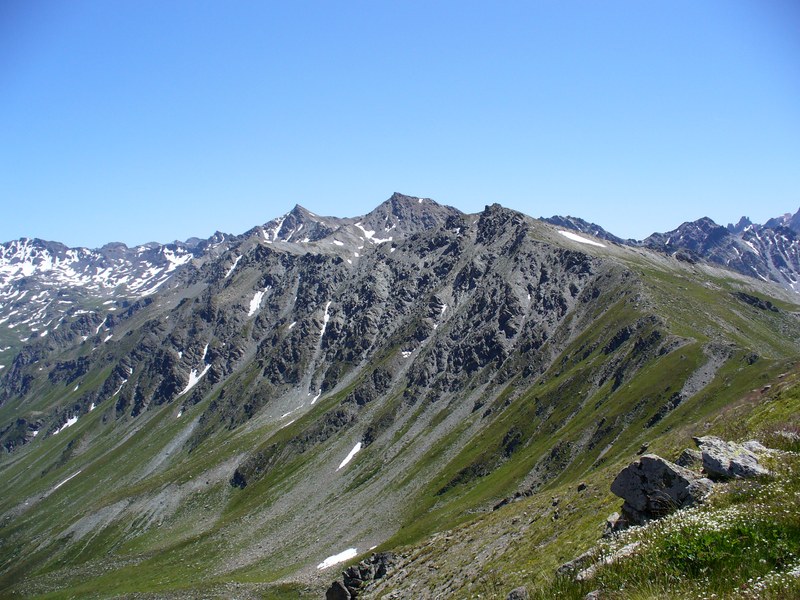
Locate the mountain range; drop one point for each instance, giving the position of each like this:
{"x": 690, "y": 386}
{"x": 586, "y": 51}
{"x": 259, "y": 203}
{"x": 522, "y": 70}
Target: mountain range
{"x": 231, "y": 417}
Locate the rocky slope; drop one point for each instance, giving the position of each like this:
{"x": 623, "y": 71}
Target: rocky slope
{"x": 320, "y": 386}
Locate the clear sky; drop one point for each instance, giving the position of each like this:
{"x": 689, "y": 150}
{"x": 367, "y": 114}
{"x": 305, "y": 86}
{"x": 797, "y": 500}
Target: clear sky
{"x": 140, "y": 120}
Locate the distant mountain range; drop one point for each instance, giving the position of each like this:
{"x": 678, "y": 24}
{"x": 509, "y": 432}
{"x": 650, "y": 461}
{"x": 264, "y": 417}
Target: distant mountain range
{"x": 770, "y": 251}
{"x": 42, "y": 281}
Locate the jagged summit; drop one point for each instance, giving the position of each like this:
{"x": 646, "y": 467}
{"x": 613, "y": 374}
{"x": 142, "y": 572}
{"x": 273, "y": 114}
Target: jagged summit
{"x": 740, "y": 226}
{"x": 406, "y": 215}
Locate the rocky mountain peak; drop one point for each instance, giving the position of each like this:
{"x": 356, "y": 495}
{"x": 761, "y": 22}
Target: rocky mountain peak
{"x": 405, "y": 215}
{"x": 788, "y": 220}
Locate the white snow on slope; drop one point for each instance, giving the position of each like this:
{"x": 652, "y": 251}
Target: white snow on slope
{"x": 350, "y": 456}
{"x": 194, "y": 379}
{"x": 66, "y": 480}
{"x": 233, "y": 266}
{"x": 338, "y": 558}
{"x": 752, "y": 247}
{"x": 255, "y": 303}
{"x": 70, "y": 422}
{"x": 580, "y": 239}
{"x": 370, "y": 235}
{"x": 325, "y": 318}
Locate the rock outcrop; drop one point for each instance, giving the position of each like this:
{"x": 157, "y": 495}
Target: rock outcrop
{"x": 729, "y": 460}
{"x": 355, "y": 578}
{"x": 653, "y": 487}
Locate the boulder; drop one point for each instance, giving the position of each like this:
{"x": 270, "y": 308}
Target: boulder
{"x": 520, "y": 593}
{"x": 653, "y": 487}
{"x": 337, "y": 591}
{"x": 729, "y": 460}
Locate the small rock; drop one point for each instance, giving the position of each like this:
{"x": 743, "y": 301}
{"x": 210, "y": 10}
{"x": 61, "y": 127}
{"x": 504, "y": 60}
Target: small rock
{"x": 614, "y": 523}
{"x": 728, "y": 460}
{"x": 576, "y": 564}
{"x": 643, "y": 449}
{"x": 593, "y": 595}
{"x": 520, "y": 593}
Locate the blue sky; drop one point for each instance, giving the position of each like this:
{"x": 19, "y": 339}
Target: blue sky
{"x": 141, "y": 120}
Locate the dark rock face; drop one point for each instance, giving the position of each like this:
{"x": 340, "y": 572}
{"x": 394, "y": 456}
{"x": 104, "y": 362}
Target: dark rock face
{"x": 337, "y": 591}
{"x": 653, "y": 487}
{"x": 728, "y": 460}
{"x": 357, "y": 577}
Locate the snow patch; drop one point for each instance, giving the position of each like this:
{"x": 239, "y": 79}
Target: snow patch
{"x": 752, "y": 247}
{"x": 315, "y": 398}
{"x": 350, "y": 456}
{"x": 70, "y": 422}
{"x": 92, "y": 407}
{"x": 370, "y": 235}
{"x": 580, "y": 239}
{"x": 66, "y": 480}
{"x": 194, "y": 379}
{"x": 325, "y": 318}
{"x": 293, "y": 324}
{"x": 338, "y": 558}
{"x": 338, "y": 243}
{"x": 233, "y": 266}
{"x": 405, "y": 353}
{"x": 255, "y": 303}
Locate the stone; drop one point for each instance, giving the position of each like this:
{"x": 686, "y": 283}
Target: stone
{"x": 576, "y": 564}
{"x": 756, "y": 447}
{"x": 337, "y": 591}
{"x": 729, "y": 460}
{"x": 520, "y": 593}
{"x": 653, "y": 487}
{"x": 593, "y": 595}
{"x": 690, "y": 459}
{"x": 614, "y": 523}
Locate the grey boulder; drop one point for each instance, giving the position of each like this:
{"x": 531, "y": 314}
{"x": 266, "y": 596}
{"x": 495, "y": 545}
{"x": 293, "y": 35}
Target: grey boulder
{"x": 729, "y": 460}
{"x": 653, "y": 487}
